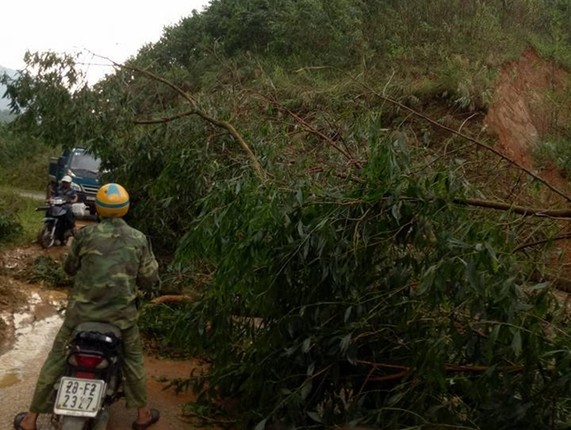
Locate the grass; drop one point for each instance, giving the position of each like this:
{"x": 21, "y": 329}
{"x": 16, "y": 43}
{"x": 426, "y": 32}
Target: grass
{"x": 24, "y": 163}
{"x": 30, "y": 219}
{"x": 23, "y": 181}
{"x": 22, "y": 211}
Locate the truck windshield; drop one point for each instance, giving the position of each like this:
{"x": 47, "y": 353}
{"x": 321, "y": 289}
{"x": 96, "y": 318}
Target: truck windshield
{"x": 81, "y": 160}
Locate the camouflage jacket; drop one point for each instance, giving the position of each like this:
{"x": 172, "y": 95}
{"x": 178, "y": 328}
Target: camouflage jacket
{"x": 110, "y": 261}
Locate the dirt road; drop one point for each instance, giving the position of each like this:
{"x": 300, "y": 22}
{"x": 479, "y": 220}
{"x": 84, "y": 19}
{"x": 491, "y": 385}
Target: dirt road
{"x": 31, "y": 317}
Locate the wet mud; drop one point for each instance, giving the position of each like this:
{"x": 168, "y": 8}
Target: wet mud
{"x": 31, "y": 330}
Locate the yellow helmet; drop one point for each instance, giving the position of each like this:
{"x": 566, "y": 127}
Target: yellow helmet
{"x": 112, "y": 201}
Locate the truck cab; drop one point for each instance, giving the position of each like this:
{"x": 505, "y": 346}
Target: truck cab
{"x": 83, "y": 167}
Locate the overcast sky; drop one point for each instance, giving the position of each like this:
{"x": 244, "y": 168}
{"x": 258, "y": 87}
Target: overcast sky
{"x": 110, "y": 28}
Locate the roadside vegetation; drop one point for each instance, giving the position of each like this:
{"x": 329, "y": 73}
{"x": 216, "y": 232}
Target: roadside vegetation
{"x": 19, "y": 221}
{"x": 23, "y": 173}
{"x": 23, "y": 161}
{"x": 342, "y": 253}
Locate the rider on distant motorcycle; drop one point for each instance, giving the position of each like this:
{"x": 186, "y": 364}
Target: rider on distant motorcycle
{"x": 65, "y": 190}
{"x": 70, "y": 195}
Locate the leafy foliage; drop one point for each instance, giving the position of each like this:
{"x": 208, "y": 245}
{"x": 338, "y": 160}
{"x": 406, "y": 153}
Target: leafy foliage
{"x": 375, "y": 303}
{"x": 40, "y": 93}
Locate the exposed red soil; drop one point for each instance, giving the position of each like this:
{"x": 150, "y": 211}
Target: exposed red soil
{"x": 525, "y": 110}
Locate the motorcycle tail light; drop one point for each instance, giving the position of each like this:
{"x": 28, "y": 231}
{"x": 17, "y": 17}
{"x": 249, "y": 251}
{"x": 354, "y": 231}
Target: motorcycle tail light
{"x": 85, "y": 375}
{"x": 88, "y": 361}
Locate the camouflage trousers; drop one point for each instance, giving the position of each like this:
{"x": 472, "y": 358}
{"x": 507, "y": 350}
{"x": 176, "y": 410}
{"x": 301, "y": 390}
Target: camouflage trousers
{"x": 54, "y": 367}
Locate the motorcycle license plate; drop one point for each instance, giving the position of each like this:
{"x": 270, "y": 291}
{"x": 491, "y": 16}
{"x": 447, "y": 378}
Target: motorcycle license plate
{"x": 79, "y": 397}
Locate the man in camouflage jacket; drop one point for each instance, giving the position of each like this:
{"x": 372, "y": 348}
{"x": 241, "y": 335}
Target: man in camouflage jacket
{"x": 110, "y": 261}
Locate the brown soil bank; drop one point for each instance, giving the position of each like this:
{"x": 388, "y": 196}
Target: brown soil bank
{"x": 527, "y": 107}
{"x": 531, "y": 104}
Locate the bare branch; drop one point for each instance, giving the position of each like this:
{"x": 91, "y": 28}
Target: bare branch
{"x": 164, "y": 119}
{"x": 172, "y": 299}
{"x": 542, "y": 242}
{"x": 521, "y": 210}
{"x": 196, "y": 111}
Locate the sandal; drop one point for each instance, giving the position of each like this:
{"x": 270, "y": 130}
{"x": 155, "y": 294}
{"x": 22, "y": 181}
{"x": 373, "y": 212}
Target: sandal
{"x": 155, "y": 415}
{"x": 18, "y": 420}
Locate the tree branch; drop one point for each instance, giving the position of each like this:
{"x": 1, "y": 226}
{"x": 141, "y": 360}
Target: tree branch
{"x": 164, "y": 119}
{"x": 451, "y": 368}
{"x": 521, "y": 210}
{"x": 196, "y": 111}
{"x": 172, "y": 299}
{"x": 542, "y": 242}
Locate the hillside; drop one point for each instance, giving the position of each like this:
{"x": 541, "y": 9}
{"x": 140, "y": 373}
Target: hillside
{"x": 525, "y": 113}
{"x": 365, "y": 203}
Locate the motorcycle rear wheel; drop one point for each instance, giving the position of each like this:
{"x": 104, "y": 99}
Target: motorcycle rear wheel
{"x": 73, "y": 423}
{"x": 101, "y": 420}
{"x": 81, "y": 423}
{"x": 46, "y": 238}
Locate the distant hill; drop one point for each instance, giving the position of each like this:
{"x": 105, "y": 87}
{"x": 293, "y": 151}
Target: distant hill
{"x": 3, "y": 101}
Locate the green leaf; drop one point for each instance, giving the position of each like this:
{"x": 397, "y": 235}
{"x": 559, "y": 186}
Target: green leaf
{"x": 261, "y": 425}
{"x": 305, "y": 251}
{"x": 494, "y": 334}
{"x": 299, "y": 197}
{"x": 310, "y": 369}
{"x": 345, "y": 342}
{"x": 396, "y": 211}
{"x": 306, "y": 345}
{"x": 540, "y": 286}
{"x": 306, "y": 389}
{"x": 315, "y": 417}
{"x": 300, "y": 229}
{"x": 347, "y": 314}
{"x": 516, "y": 343}
{"x": 396, "y": 398}
{"x": 290, "y": 351}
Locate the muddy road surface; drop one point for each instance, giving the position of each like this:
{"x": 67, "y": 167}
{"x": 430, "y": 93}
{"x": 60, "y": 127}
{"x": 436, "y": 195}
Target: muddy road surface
{"x": 30, "y": 315}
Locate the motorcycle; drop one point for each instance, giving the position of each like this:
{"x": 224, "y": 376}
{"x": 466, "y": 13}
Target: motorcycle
{"x": 54, "y": 227}
{"x": 92, "y": 380}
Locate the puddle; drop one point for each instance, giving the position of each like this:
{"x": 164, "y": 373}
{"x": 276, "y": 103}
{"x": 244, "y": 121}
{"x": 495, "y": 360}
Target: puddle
{"x": 33, "y": 332}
